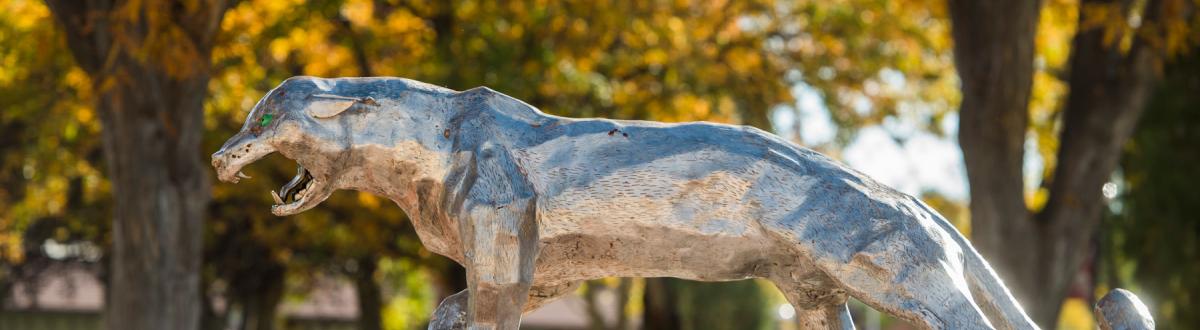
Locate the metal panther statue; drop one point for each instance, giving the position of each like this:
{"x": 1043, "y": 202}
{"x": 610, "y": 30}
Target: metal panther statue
{"x": 533, "y": 204}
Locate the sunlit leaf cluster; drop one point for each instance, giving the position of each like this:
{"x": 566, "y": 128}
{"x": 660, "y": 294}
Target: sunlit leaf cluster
{"x": 51, "y": 167}
{"x": 722, "y": 60}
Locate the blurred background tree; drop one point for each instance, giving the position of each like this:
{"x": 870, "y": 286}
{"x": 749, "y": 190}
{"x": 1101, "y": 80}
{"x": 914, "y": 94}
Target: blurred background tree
{"x": 50, "y": 188}
{"x": 871, "y": 63}
{"x": 1116, "y": 56}
{"x": 1154, "y": 239}
{"x": 144, "y": 67}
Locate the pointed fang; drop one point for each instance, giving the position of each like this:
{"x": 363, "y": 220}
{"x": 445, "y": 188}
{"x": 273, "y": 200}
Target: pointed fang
{"x": 275, "y": 195}
{"x": 242, "y": 175}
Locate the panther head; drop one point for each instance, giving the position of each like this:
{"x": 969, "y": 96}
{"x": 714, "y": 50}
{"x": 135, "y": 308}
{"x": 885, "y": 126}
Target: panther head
{"x": 328, "y": 127}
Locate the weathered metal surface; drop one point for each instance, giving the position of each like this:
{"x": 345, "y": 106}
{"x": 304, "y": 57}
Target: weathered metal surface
{"x": 1122, "y": 310}
{"x": 532, "y": 204}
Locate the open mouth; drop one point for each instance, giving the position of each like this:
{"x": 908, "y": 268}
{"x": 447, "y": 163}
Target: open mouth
{"x": 294, "y": 195}
{"x": 295, "y": 190}
{"x": 302, "y": 192}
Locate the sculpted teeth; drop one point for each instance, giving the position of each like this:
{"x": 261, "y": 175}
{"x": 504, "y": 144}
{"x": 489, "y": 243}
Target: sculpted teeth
{"x": 242, "y": 175}
{"x": 303, "y": 193}
{"x": 275, "y": 195}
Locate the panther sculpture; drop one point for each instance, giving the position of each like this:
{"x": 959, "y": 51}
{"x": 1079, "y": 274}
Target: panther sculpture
{"x": 533, "y": 204}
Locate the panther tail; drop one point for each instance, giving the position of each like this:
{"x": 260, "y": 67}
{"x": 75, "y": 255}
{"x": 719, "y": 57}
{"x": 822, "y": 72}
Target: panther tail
{"x": 990, "y": 294}
{"x": 1118, "y": 310}
{"x": 1122, "y": 310}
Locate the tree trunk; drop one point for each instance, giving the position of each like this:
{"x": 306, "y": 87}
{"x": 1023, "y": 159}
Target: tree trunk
{"x": 150, "y": 104}
{"x": 1108, "y": 94}
{"x": 993, "y": 51}
{"x": 258, "y": 295}
{"x": 260, "y": 309}
{"x": 623, "y": 290}
{"x": 592, "y": 307}
{"x": 254, "y": 279}
{"x": 591, "y": 296}
{"x": 1038, "y": 255}
{"x": 160, "y": 190}
{"x": 370, "y": 301}
{"x": 659, "y": 304}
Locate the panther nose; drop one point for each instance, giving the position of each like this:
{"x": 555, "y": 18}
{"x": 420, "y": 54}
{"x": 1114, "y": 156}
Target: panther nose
{"x": 218, "y": 161}
{"x": 238, "y": 152}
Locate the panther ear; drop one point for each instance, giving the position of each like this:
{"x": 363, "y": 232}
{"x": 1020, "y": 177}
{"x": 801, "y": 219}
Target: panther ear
{"x": 326, "y": 106}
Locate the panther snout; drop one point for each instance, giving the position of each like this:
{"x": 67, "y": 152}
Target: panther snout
{"x": 239, "y": 151}
{"x": 224, "y": 172}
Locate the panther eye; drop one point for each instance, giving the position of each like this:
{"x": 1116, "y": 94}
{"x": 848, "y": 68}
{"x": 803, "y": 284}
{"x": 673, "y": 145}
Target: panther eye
{"x": 266, "y": 120}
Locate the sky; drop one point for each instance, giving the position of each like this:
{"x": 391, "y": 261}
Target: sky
{"x": 922, "y": 162}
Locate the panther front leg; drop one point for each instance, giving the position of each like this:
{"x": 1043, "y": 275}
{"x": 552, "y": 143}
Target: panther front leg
{"x": 498, "y": 230}
{"x": 500, "y": 250}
